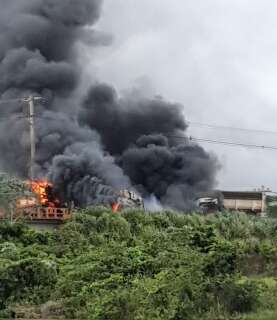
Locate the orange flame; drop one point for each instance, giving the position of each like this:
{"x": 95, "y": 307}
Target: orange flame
{"x": 42, "y": 189}
{"x": 116, "y": 207}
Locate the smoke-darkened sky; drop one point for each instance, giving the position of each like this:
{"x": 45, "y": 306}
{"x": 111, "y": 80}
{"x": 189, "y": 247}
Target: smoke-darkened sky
{"x": 91, "y": 140}
{"x": 217, "y": 58}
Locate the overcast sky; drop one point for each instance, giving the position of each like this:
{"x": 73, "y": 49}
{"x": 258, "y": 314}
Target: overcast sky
{"x": 216, "y": 57}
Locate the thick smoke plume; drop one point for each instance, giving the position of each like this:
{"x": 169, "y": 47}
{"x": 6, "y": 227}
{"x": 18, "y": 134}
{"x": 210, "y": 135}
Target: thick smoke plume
{"x": 91, "y": 146}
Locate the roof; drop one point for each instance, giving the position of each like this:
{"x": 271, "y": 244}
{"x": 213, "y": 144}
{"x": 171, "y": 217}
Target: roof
{"x": 243, "y": 195}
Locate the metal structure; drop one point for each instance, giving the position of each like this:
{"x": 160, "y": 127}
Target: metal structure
{"x": 46, "y": 215}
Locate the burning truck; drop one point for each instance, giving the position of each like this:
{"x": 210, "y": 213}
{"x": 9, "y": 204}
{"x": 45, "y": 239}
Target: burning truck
{"x": 44, "y": 205}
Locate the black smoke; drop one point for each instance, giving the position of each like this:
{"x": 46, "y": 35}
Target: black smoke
{"x": 147, "y": 139}
{"x": 90, "y": 146}
{"x": 121, "y": 122}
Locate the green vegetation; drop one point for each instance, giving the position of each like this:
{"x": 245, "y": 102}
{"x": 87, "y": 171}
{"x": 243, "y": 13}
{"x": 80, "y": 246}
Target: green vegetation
{"x": 12, "y": 186}
{"x": 10, "y": 189}
{"x": 271, "y": 206}
{"x": 141, "y": 266}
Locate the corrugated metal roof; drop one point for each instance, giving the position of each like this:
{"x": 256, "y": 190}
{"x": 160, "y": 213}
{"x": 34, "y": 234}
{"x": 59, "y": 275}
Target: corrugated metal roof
{"x": 243, "y": 195}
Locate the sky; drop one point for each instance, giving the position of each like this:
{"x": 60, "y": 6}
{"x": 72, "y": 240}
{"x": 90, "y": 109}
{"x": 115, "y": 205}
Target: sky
{"x": 218, "y": 58}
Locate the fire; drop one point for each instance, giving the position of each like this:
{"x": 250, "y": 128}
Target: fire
{"x": 44, "y": 190}
{"x": 116, "y": 207}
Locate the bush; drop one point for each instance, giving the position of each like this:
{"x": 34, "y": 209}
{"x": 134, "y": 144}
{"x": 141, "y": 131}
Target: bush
{"x": 138, "y": 265}
{"x": 222, "y": 259}
{"x": 22, "y": 279}
{"x": 239, "y": 298}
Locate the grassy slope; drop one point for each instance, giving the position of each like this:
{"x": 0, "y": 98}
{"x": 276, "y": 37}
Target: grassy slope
{"x": 141, "y": 266}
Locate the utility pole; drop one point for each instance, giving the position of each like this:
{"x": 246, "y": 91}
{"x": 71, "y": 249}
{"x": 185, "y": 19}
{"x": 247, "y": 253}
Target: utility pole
{"x": 32, "y": 136}
{"x": 31, "y": 117}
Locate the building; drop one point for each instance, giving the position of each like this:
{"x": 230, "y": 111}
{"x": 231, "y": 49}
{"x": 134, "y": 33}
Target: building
{"x": 246, "y": 201}
{"x": 252, "y": 202}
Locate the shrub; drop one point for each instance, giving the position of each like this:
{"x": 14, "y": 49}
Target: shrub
{"x": 19, "y": 280}
{"x": 222, "y": 259}
{"x": 238, "y": 298}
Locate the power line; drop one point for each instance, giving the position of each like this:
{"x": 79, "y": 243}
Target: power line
{"x": 192, "y": 123}
{"x": 224, "y": 142}
{"x": 215, "y": 126}
{"x": 230, "y": 143}
{"x": 210, "y": 141}
{"x": 189, "y": 122}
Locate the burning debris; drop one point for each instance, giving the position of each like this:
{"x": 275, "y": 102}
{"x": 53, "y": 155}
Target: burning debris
{"x": 42, "y": 205}
{"x": 45, "y": 193}
{"x": 34, "y": 201}
{"x": 127, "y": 199}
{"x": 89, "y": 147}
